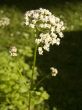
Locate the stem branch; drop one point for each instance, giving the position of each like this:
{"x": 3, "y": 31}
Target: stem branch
{"x": 32, "y": 80}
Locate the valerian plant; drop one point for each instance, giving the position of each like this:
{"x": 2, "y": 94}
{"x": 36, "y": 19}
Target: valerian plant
{"x": 18, "y": 88}
{"x": 48, "y": 31}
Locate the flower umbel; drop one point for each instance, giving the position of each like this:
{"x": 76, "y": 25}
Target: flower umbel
{"x": 49, "y": 26}
{"x": 4, "y": 21}
{"x": 54, "y": 71}
{"x": 13, "y": 51}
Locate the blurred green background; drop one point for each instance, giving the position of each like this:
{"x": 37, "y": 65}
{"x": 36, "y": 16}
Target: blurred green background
{"x": 66, "y": 88}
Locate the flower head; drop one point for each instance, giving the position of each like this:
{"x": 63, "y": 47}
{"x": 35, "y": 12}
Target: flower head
{"x": 13, "y": 51}
{"x": 4, "y": 21}
{"x": 54, "y": 71}
{"x": 49, "y": 26}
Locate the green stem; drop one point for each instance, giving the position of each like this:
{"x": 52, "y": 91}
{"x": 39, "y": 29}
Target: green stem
{"x": 33, "y": 68}
{"x": 29, "y": 99}
{"x": 32, "y": 81}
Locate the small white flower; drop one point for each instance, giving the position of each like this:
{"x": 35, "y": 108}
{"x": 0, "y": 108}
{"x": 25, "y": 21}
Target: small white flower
{"x": 52, "y": 20}
{"x": 13, "y": 54}
{"x": 54, "y": 71}
{"x": 46, "y": 18}
{"x": 57, "y": 41}
{"x": 57, "y": 19}
{"x": 61, "y": 23}
{"x": 52, "y": 29}
{"x": 63, "y": 28}
{"x": 40, "y": 50}
{"x": 54, "y": 41}
{"x": 41, "y": 17}
{"x": 37, "y": 41}
{"x": 27, "y": 18}
{"x": 13, "y": 51}
{"x": 46, "y": 47}
{"x": 41, "y": 11}
{"x": 35, "y": 15}
{"x": 61, "y": 34}
{"x": 27, "y": 23}
{"x": 34, "y": 21}
{"x": 47, "y": 12}
{"x": 53, "y": 35}
{"x": 32, "y": 25}
{"x": 41, "y": 25}
{"x": 47, "y": 25}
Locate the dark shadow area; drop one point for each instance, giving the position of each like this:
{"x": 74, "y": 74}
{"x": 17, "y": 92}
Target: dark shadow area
{"x": 66, "y": 88}
{"x": 25, "y": 5}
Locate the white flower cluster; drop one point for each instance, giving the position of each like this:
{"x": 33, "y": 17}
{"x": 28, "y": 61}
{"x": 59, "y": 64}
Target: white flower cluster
{"x": 13, "y": 51}
{"x": 4, "y": 21}
{"x": 54, "y": 71}
{"x": 50, "y": 28}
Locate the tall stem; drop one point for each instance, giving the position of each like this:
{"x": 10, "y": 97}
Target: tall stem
{"x": 32, "y": 81}
{"x": 33, "y": 68}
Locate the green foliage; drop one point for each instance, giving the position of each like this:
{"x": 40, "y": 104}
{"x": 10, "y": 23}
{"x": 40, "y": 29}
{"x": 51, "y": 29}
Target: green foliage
{"x": 16, "y": 72}
{"x": 15, "y": 77}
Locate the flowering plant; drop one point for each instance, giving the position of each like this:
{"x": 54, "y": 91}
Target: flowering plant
{"x": 18, "y": 88}
{"x": 48, "y": 31}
